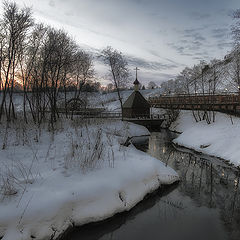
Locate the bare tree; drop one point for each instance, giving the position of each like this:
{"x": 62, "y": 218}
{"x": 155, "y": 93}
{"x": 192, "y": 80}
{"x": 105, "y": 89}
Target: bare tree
{"x": 83, "y": 70}
{"x": 41, "y": 60}
{"x": 152, "y": 85}
{"x": 235, "y": 57}
{"x": 29, "y": 55}
{"x": 214, "y": 78}
{"x": 118, "y": 68}
{"x": 110, "y": 87}
{"x": 15, "y": 25}
{"x": 203, "y": 79}
{"x": 236, "y": 26}
{"x": 234, "y": 67}
{"x": 55, "y": 66}
{"x": 2, "y": 56}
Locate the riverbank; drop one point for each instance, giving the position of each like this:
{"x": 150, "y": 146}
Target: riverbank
{"x": 198, "y": 207}
{"x": 220, "y": 139}
{"x": 79, "y": 173}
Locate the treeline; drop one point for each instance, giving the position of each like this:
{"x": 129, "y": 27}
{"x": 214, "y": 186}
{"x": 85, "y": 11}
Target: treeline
{"x": 203, "y": 78}
{"x": 42, "y": 62}
{"x": 89, "y": 86}
{"x": 219, "y": 76}
{"x": 216, "y": 76}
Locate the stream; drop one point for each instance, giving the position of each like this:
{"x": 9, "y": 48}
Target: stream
{"x": 205, "y": 205}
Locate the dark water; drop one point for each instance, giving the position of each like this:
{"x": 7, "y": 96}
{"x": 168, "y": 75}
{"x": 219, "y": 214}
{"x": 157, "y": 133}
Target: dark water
{"x": 205, "y": 205}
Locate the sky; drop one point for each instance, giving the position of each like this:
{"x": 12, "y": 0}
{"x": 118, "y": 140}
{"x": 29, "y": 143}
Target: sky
{"x": 160, "y": 37}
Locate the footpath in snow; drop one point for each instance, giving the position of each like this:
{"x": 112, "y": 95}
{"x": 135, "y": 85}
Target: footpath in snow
{"x": 72, "y": 177}
{"x": 220, "y": 139}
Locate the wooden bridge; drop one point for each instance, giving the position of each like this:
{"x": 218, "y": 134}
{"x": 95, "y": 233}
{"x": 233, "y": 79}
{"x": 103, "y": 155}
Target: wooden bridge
{"x": 227, "y": 103}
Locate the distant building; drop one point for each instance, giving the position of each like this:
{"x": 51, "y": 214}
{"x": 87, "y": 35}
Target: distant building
{"x": 136, "y": 105}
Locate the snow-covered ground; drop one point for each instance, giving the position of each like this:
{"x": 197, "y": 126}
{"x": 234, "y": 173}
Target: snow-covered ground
{"x": 221, "y": 138}
{"x": 79, "y": 174}
{"x": 109, "y": 101}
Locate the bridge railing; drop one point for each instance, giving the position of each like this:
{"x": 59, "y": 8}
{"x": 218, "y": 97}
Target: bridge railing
{"x": 92, "y": 114}
{"x": 201, "y": 94}
{"x": 117, "y": 115}
{"x": 146, "y": 116}
{"x": 196, "y": 99}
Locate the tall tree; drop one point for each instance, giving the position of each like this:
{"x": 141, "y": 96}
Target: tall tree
{"x": 234, "y": 67}
{"x": 118, "y": 69}
{"x": 15, "y": 25}
{"x": 55, "y": 61}
{"x": 236, "y": 26}
{"x": 27, "y": 74}
{"x": 83, "y": 70}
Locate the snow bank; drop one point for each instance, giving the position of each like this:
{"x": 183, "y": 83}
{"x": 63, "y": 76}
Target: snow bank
{"x": 60, "y": 196}
{"x": 221, "y": 138}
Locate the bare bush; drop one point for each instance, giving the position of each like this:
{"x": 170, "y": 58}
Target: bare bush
{"x": 15, "y": 176}
{"x": 7, "y": 186}
{"x": 171, "y": 116}
{"x": 86, "y": 152}
{"x": 90, "y": 148}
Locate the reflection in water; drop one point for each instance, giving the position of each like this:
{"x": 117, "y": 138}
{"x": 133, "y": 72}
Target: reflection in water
{"x": 204, "y": 205}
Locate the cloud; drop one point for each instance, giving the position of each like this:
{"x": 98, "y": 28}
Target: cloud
{"x": 220, "y": 33}
{"x": 51, "y": 3}
{"x": 157, "y": 35}
{"x": 224, "y": 45}
{"x": 195, "y": 35}
{"x": 188, "y": 48}
{"x": 190, "y": 41}
{"x": 150, "y": 65}
{"x": 198, "y": 58}
{"x": 136, "y": 61}
{"x": 199, "y": 16}
{"x": 157, "y": 77}
{"x": 194, "y": 30}
{"x": 179, "y": 48}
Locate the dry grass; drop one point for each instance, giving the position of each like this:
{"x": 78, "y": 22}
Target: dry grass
{"x": 89, "y": 148}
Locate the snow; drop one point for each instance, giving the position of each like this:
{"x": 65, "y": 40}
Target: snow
{"x": 220, "y": 139}
{"x": 55, "y": 190}
{"x": 109, "y": 101}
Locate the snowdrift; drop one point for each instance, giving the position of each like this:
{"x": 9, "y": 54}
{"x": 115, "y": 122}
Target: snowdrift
{"x": 220, "y": 139}
{"x": 60, "y": 197}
